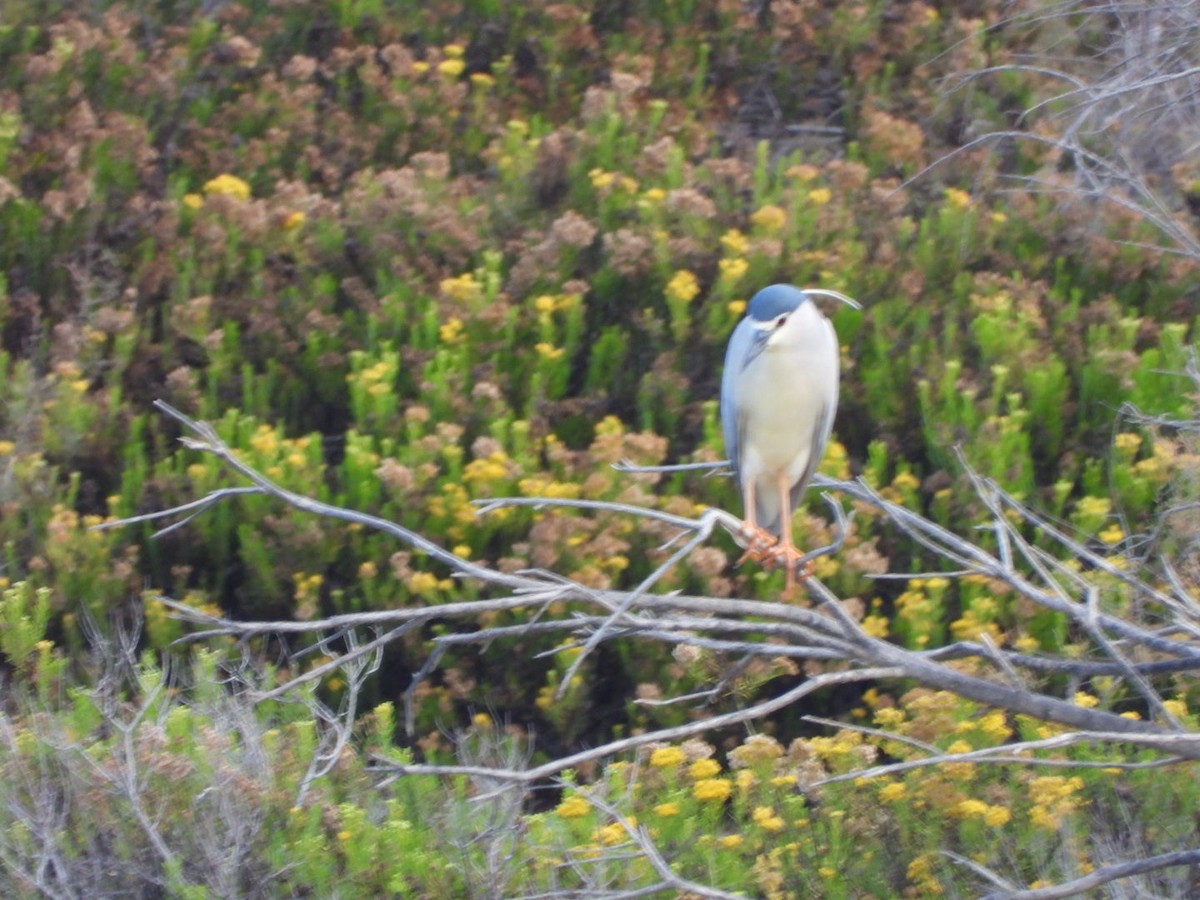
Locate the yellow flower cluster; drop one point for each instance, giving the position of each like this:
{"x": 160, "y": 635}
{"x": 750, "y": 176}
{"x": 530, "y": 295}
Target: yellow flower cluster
{"x": 820, "y": 196}
{"x": 489, "y": 469}
{"x": 732, "y": 270}
{"x": 704, "y": 768}
{"x": 573, "y": 807}
{"x": 1127, "y": 444}
{"x": 765, "y": 818}
{"x": 229, "y": 185}
{"x": 602, "y": 181}
{"x": 769, "y": 218}
{"x": 994, "y": 816}
{"x": 613, "y": 833}
{"x": 716, "y": 790}
{"x": 555, "y": 490}
{"x": 682, "y": 287}
{"x": 957, "y": 199}
{"x": 667, "y": 757}
{"x": 452, "y": 331}
{"x": 1054, "y": 798}
{"x": 465, "y": 287}
{"x": 735, "y": 242}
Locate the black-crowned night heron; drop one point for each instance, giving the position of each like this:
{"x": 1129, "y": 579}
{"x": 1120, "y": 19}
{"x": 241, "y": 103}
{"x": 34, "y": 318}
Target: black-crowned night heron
{"x": 779, "y": 393}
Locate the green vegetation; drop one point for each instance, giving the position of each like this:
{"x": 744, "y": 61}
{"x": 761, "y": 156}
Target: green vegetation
{"x": 405, "y": 256}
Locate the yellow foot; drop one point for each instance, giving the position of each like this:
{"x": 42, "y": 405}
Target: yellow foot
{"x": 790, "y": 560}
{"x": 759, "y": 543}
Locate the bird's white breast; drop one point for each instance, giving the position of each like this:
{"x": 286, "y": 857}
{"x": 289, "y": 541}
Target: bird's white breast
{"x": 783, "y": 396}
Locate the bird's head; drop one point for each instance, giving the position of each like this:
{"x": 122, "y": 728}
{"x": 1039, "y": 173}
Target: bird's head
{"x": 784, "y": 316}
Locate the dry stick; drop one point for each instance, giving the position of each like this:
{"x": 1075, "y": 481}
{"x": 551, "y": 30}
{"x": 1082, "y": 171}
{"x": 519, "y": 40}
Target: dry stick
{"x": 989, "y": 492}
{"x": 841, "y": 629}
{"x": 641, "y": 838}
{"x": 1101, "y": 876}
{"x": 1182, "y": 745}
{"x": 623, "y": 745}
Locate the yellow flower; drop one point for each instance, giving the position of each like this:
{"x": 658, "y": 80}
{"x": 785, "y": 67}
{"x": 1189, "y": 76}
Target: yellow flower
{"x": 612, "y": 834}
{"x": 451, "y": 68}
{"x": 481, "y": 720}
{"x": 957, "y": 199}
{"x": 452, "y": 331}
{"x": 667, "y": 757}
{"x": 875, "y": 625}
{"x": 682, "y": 286}
{"x": 735, "y": 242}
{"x": 462, "y": 287}
{"x": 769, "y": 218}
{"x": 712, "y": 789}
{"x": 600, "y": 179}
{"x": 667, "y": 809}
{"x": 730, "y": 841}
{"x": 1113, "y": 534}
{"x": 294, "y": 220}
{"x": 654, "y": 196}
{"x": 890, "y": 793}
{"x": 193, "y": 201}
{"x": 453, "y": 51}
{"x": 704, "y": 768}
{"x": 482, "y": 79}
{"x": 765, "y": 818}
{"x": 997, "y": 816}
{"x": 547, "y": 350}
{"x": 1177, "y": 708}
{"x": 1086, "y": 700}
{"x": 733, "y": 269}
{"x": 971, "y": 809}
{"x": 573, "y": 807}
{"x": 820, "y": 196}
{"x": 995, "y": 726}
{"x": 737, "y": 307}
{"x": 420, "y": 67}
{"x": 424, "y": 583}
{"x": 229, "y": 185}
{"x": 1127, "y": 443}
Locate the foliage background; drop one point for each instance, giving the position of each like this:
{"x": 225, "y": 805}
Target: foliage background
{"x": 412, "y": 255}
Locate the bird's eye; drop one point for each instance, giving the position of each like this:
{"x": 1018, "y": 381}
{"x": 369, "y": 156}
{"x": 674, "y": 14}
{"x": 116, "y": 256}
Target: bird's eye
{"x": 780, "y": 322}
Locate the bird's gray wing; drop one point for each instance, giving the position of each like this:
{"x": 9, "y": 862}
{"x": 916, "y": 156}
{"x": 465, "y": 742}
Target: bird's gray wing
{"x": 816, "y": 453}
{"x": 737, "y": 354}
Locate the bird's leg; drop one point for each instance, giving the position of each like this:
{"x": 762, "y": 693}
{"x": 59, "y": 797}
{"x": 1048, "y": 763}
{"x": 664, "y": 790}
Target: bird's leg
{"x": 758, "y": 542}
{"x": 785, "y": 553}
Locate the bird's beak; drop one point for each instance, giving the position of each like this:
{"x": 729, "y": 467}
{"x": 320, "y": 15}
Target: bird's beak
{"x": 822, "y": 292}
{"x": 762, "y": 334}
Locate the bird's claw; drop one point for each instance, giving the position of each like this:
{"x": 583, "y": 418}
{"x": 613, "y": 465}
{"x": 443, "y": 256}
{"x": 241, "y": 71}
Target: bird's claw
{"x": 768, "y": 551}
{"x": 759, "y": 543}
{"x": 790, "y": 560}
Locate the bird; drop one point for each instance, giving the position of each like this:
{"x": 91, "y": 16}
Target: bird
{"x": 779, "y": 394}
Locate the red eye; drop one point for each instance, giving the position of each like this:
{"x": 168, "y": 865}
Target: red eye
{"x": 780, "y": 322}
